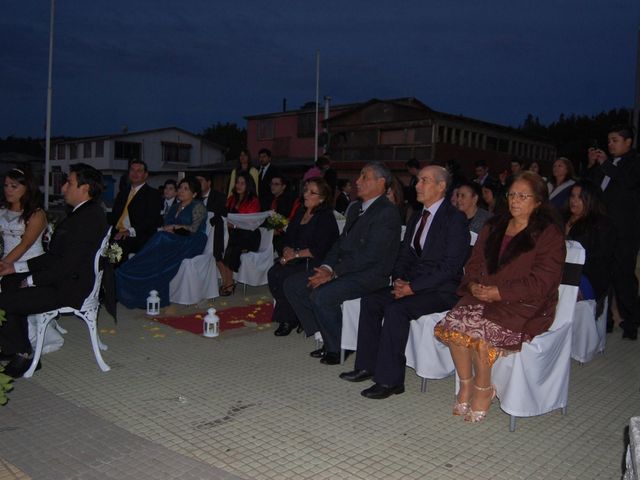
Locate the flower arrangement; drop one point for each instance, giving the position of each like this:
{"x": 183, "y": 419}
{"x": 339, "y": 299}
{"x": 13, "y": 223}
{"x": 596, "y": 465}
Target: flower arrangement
{"x": 5, "y": 380}
{"x": 275, "y": 222}
{"x": 113, "y": 252}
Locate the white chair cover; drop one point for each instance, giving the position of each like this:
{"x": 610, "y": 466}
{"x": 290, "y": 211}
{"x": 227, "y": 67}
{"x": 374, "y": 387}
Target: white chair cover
{"x": 255, "y": 265}
{"x": 428, "y": 356}
{"x": 350, "y": 318}
{"x": 589, "y": 333}
{"x": 535, "y": 380}
{"x": 197, "y": 277}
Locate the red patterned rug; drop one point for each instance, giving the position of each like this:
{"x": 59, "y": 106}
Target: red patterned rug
{"x": 230, "y": 318}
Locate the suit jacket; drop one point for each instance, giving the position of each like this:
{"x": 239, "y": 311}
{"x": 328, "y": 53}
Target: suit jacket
{"x": 342, "y": 202}
{"x": 68, "y": 264}
{"x": 264, "y": 188}
{"x": 446, "y": 248}
{"x": 622, "y": 195}
{"x": 144, "y": 211}
{"x": 367, "y": 248}
{"x": 216, "y": 203}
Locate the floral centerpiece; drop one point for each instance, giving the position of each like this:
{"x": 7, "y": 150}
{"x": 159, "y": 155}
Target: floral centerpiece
{"x": 276, "y": 222}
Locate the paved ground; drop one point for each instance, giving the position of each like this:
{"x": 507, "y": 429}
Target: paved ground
{"x": 250, "y": 405}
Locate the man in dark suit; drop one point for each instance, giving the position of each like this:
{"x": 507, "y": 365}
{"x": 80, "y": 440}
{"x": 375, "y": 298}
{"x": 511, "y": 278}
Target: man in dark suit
{"x": 216, "y": 203}
{"x": 358, "y": 263}
{"x": 619, "y": 179}
{"x": 267, "y": 172}
{"x": 136, "y": 211}
{"x": 63, "y": 276}
{"x": 425, "y": 277}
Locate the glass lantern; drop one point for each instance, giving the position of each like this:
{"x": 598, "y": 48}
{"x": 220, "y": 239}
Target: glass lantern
{"x": 211, "y": 324}
{"x": 153, "y": 303}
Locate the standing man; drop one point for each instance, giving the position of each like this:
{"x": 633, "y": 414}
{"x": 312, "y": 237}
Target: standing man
{"x": 425, "y": 277}
{"x": 482, "y": 172}
{"x": 619, "y": 178}
{"x": 413, "y": 167}
{"x": 358, "y": 263}
{"x": 136, "y": 211}
{"x": 266, "y": 174}
{"x": 63, "y": 276}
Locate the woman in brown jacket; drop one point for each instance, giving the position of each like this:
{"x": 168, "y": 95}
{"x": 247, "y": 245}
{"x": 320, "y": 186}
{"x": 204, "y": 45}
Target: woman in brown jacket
{"x": 509, "y": 291}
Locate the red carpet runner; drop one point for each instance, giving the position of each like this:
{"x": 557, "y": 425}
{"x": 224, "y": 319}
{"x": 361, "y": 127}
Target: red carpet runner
{"x": 230, "y": 318}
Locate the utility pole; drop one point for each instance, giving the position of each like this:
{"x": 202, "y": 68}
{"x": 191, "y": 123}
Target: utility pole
{"x": 636, "y": 108}
{"x": 315, "y": 143}
{"x": 47, "y": 154}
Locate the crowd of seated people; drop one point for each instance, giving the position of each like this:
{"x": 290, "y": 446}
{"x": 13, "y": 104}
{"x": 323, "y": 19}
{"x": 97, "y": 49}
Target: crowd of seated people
{"x": 470, "y": 202}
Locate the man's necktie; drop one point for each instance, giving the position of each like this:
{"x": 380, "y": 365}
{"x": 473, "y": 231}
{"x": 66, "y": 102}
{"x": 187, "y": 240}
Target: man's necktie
{"x": 262, "y": 173}
{"x": 125, "y": 212}
{"x": 416, "y": 239}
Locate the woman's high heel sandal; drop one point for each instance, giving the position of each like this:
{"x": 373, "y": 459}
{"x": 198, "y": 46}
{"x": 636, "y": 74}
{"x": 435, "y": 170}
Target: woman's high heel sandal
{"x": 462, "y": 408}
{"x": 228, "y": 290}
{"x": 475, "y": 416}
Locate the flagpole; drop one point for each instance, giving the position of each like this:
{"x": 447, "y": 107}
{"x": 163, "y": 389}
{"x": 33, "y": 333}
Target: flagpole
{"x": 636, "y": 108}
{"x": 315, "y": 145}
{"x": 47, "y": 155}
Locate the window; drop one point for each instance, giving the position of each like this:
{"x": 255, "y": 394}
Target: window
{"x": 128, "y": 151}
{"x": 73, "y": 151}
{"x": 492, "y": 143}
{"x": 503, "y": 145}
{"x": 306, "y": 125}
{"x": 87, "y": 149}
{"x": 473, "y": 139}
{"x": 176, "y": 152}
{"x": 266, "y": 129}
{"x": 392, "y": 137}
{"x": 60, "y": 154}
{"x": 100, "y": 149}
{"x": 441, "y": 131}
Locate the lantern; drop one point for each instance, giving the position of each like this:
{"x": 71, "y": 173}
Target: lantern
{"x": 153, "y": 303}
{"x": 211, "y": 324}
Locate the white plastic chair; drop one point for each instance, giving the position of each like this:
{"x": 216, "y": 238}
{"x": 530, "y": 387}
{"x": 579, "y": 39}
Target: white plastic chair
{"x": 197, "y": 277}
{"x": 589, "y": 333}
{"x": 535, "y": 380}
{"x": 87, "y": 312}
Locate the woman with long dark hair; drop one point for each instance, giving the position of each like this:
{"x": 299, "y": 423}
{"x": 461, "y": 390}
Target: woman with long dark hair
{"x": 562, "y": 179}
{"x": 244, "y": 165}
{"x": 22, "y": 220}
{"x": 509, "y": 291}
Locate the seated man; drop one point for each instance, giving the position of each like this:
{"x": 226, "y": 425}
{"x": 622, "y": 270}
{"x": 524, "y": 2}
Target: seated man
{"x": 61, "y": 277}
{"x": 216, "y": 203}
{"x": 425, "y": 277}
{"x": 359, "y": 262}
{"x": 136, "y": 211}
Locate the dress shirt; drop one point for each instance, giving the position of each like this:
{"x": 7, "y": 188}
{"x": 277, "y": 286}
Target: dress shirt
{"x": 127, "y": 222}
{"x": 432, "y": 211}
{"x": 607, "y": 178}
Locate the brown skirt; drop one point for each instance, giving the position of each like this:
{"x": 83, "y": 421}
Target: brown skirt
{"x": 466, "y": 326}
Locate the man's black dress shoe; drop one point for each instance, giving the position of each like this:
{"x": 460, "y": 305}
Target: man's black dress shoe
{"x": 284, "y": 329}
{"x": 630, "y": 334}
{"x": 331, "y": 358}
{"x": 378, "y": 392}
{"x": 356, "y": 375}
{"x": 319, "y": 353}
{"x": 17, "y": 367}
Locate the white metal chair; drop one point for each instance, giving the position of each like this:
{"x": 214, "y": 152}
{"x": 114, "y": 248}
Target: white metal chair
{"x": 197, "y": 277}
{"x": 535, "y": 380}
{"x": 589, "y": 332}
{"x": 87, "y": 312}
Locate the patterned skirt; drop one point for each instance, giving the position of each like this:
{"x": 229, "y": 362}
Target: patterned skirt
{"x": 466, "y": 326}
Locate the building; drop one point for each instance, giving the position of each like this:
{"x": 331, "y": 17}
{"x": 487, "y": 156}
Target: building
{"x": 166, "y": 151}
{"x": 395, "y": 131}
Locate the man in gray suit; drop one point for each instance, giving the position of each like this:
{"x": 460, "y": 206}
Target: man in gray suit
{"x": 359, "y": 262}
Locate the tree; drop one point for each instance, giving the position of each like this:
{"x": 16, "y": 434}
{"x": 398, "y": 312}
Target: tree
{"x": 229, "y": 136}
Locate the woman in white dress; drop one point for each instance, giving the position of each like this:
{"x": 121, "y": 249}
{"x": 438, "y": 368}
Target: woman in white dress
{"x": 22, "y": 223}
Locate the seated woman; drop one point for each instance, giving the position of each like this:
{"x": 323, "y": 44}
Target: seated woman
{"x": 244, "y": 165}
{"x": 509, "y": 291}
{"x": 587, "y": 223}
{"x": 244, "y": 199}
{"x": 561, "y": 182}
{"x": 153, "y": 267}
{"x": 469, "y": 196}
{"x": 308, "y": 238}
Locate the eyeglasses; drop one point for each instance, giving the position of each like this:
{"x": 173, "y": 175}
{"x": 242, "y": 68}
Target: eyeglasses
{"x": 521, "y": 196}
{"x": 310, "y": 192}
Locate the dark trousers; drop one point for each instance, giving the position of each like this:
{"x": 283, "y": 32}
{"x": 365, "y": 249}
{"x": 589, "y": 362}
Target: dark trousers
{"x": 319, "y": 309}
{"x": 240, "y": 241}
{"x": 625, "y": 282}
{"x": 18, "y": 303}
{"x": 283, "y": 312}
{"x": 381, "y": 345}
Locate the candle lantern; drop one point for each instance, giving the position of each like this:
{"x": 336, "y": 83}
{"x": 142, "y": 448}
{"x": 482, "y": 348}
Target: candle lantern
{"x": 211, "y": 324}
{"x": 153, "y": 303}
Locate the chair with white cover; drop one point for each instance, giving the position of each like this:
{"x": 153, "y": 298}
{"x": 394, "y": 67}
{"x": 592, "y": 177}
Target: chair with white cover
{"x": 254, "y": 265}
{"x": 197, "y": 277}
{"x": 87, "y": 312}
{"x": 535, "y": 380}
{"x": 589, "y": 332}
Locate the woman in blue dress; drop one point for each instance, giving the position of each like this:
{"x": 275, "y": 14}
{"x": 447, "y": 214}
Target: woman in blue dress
{"x": 153, "y": 267}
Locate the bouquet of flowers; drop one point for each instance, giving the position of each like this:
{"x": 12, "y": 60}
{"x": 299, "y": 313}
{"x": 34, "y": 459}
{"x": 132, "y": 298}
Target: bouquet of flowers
{"x": 113, "y": 253}
{"x": 5, "y": 380}
{"x": 275, "y": 222}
